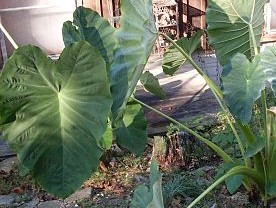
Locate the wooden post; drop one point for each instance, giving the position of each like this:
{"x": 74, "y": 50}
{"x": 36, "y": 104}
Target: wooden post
{"x": 103, "y": 7}
{"x": 203, "y": 22}
{"x": 116, "y": 7}
{"x": 116, "y": 11}
{"x": 107, "y": 9}
{"x": 189, "y": 20}
{"x": 180, "y": 18}
{"x": 203, "y": 17}
{"x": 92, "y": 4}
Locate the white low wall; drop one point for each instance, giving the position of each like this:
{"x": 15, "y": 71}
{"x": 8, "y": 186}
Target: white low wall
{"x": 42, "y": 27}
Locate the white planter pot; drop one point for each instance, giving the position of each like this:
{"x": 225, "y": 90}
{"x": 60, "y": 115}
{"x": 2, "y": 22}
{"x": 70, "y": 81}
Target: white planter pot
{"x": 29, "y": 25}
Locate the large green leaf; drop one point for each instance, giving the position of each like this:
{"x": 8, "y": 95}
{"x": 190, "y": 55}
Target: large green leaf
{"x": 149, "y": 197}
{"x": 243, "y": 82}
{"x": 135, "y": 39}
{"x": 61, "y": 113}
{"x": 174, "y": 59}
{"x": 131, "y": 131}
{"x": 88, "y": 25}
{"x": 151, "y": 83}
{"x": 235, "y": 26}
{"x": 268, "y": 61}
{"x": 133, "y": 43}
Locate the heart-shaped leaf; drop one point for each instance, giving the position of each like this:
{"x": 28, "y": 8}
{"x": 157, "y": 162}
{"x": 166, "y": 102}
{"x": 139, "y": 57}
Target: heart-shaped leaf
{"x": 135, "y": 40}
{"x": 243, "y": 82}
{"x": 268, "y": 62}
{"x": 131, "y": 131}
{"x": 89, "y": 26}
{"x": 131, "y": 46}
{"x": 61, "y": 113}
{"x": 234, "y": 26}
{"x": 151, "y": 83}
{"x": 174, "y": 59}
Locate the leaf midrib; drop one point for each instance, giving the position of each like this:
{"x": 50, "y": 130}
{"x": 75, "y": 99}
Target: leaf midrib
{"x": 252, "y": 12}
{"x": 62, "y": 133}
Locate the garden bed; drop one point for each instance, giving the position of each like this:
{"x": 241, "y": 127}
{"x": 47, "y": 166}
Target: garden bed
{"x": 121, "y": 172}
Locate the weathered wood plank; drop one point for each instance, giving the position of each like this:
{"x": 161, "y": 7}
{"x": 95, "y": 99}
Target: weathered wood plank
{"x": 5, "y": 150}
{"x": 107, "y": 9}
{"x": 116, "y": 12}
{"x": 103, "y": 7}
{"x": 116, "y": 6}
{"x": 92, "y": 4}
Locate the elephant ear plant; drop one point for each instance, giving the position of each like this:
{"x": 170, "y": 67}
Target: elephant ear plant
{"x": 60, "y": 116}
{"x": 59, "y": 112}
{"x": 234, "y": 30}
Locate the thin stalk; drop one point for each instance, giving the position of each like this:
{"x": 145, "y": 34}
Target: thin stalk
{"x": 264, "y": 113}
{"x": 253, "y": 40}
{"x": 247, "y": 162}
{"x": 265, "y": 197}
{"x": 263, "y": 96}
{"x": 264, "y": 109}
{"x": 213, "y": 146}
{"x": 236, "y": 170}
{"x": 210, "y": 83}
{"x": 242, "y": 149}
{"x": 248, "y": 134}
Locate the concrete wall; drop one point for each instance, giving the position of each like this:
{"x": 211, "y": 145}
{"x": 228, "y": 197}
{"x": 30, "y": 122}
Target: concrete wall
{"x": 42, "y": 27}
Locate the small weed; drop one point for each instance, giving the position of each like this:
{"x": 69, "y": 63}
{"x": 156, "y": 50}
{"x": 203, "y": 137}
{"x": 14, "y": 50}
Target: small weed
{"x": 185, "y": 186}
{"x": 14, "y": 182}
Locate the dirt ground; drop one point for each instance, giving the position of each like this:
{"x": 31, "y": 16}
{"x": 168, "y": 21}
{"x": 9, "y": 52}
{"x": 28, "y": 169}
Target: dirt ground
{"x": 120, "y": 173}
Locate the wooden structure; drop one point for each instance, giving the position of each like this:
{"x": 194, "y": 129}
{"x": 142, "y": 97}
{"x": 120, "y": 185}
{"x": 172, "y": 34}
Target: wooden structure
{"x": 269, "y": 33}
{"x": 190, "y": 14}
{"x": 166, "y": 18}
{"x": 106, "y": 8}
